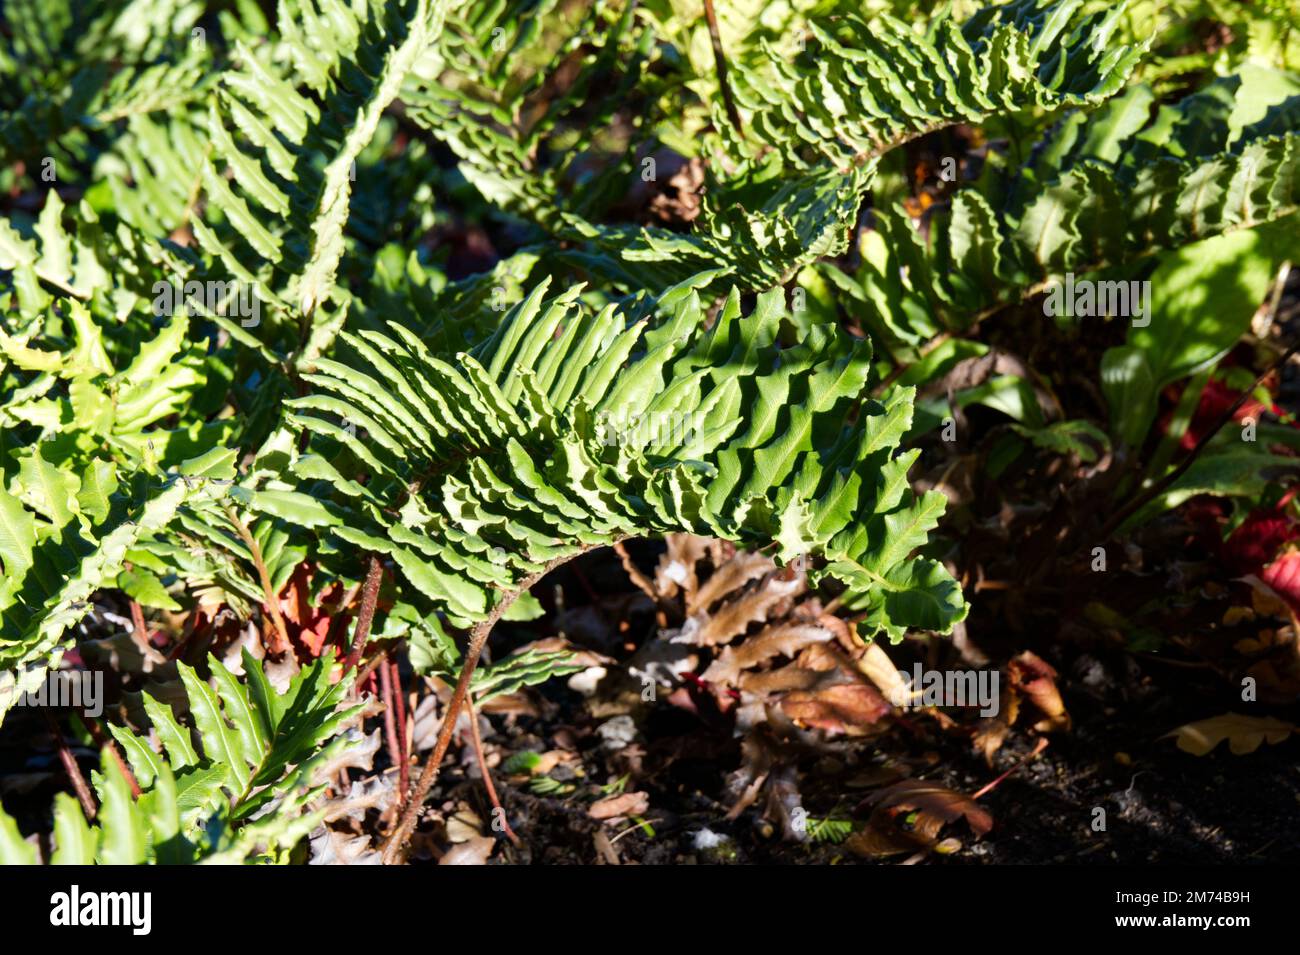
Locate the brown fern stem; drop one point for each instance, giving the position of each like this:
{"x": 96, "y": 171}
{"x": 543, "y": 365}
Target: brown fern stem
{"x": 79, "y": 785}
{"x": 720, "y": 58}
{"x": 369, "y": 600}
{"x": 396, "y": 842}
{"x": 399, "y": 719}
{"x": 395, "y": 754}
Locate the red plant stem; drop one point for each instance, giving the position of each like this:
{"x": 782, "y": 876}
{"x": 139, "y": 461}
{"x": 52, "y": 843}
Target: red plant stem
{"x": 395, "y": 754}
{"x": 499, "y": 811}
{"x": 1038, "y": 748}
{"x": 281, "y": 644}
{"x": 399, "y": 719}
{"x": 137, "y": 623}
{"x": 369, "y": 598}
{"x": 71, "y": 768}
{"x": 396, "y": 843}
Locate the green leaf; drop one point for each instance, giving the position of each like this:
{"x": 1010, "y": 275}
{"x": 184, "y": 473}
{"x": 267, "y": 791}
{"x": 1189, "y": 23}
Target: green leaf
{"x": 14, "y": 850}
{"x": 75, "y": 843}
{"x": 1203, "y": 297}
{"x": 1130, "y": 389}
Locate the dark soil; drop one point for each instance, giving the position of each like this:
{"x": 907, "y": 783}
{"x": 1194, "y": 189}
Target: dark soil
{"x": 1161, "y": 805}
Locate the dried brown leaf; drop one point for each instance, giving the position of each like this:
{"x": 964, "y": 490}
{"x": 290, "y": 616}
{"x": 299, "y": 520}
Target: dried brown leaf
{"x": 876, "y": 666}
{"x": 1035, "y": 678}
{"x": 734, "y": 617}
{"x": 934, "y": 805}
{"x": 844, "y": 708}
{"x": 330, "y": 847}
{"x": 677, "y": 567}
{"x": 729, "y": 578}
{"x": 1244, "y": 734}
{"x": 624, "y": 804}
{"x": 781, "y": 680}
{"x": 785, "y": 639}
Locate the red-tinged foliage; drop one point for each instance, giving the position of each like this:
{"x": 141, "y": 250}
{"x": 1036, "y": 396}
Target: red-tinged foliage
{"x": 1215, "y": 401}
{"x": 308, "y": 624}
{"x": 1283, "y": 575}
{"x": 1257, "y": 541}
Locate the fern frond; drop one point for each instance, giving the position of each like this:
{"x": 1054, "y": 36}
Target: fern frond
{"x": 76, "y": 68}
{"x": 568, "y": 430}
{"x": 78, "y": 393}
{"x": 243, "y": 794}
{"x": 64, "y": 535}
{"x": 860, "y": 88}
{"x": 1182, "y": 175}
{"x": 489, "y": 103}
{"x": 516, "y": 672}
{"x": 275, "y": 218}
{"x": 72, "y": 261}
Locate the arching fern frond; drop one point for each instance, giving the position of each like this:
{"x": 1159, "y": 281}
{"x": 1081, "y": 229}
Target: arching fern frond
{"x": 568, "y": 430}
{"x": 861, "y": 88}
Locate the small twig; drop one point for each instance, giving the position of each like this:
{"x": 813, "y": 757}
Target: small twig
{"x": 268, "y": 592}
{"x": 631, "y": 829}
{"x": 606, "y": 849}
{"x": 634, "y": 573}
{"x": 1038, "y": 748}
{"x": 720, "y": 59}
{"x": 140, "y": 635}
{"x": 498, "y": 809}
{"x": 365, "y": 669}
{"x": 70, "y": 766}
{"x": 137, "y": 624}
{"x": 369, "y": 599}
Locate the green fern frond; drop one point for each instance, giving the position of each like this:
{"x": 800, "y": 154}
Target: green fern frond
{"x": 862, "y": 88}
{"x": 275, "y": 216}
{"x": 78, "y": 393}
{"x": 520, "y": 148}
{"x": 74, "y": 262}
{"x": 568, "y": 430}
{"x": 243, "y": 794}
{"x": 76, "y": 68}
{"x": 1191, "y": 171}
{"x": 64, "y": 535}
{"x": 512, "y": 674}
